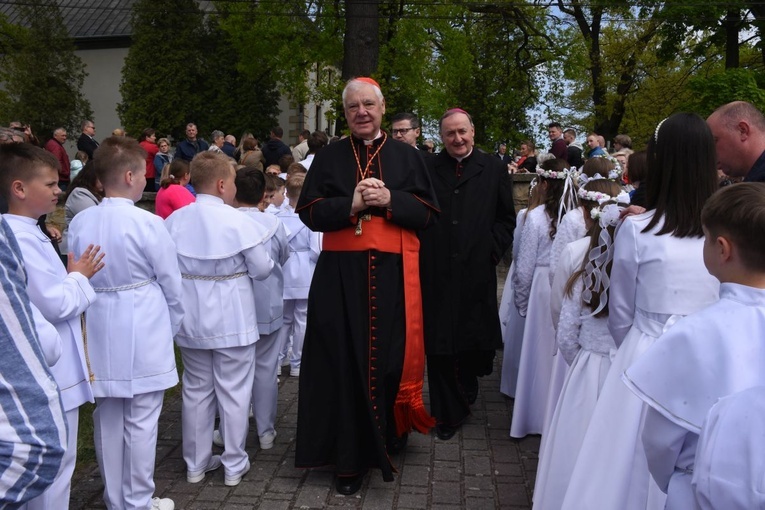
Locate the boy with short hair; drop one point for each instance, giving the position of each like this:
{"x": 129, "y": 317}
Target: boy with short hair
{"x": 269, "y": 305}
{"x": 220, "y": 252}
{"x": 29, "y": 183}
{"x": 274, "y": 193}
{"x": 304, "y": 246}
{"x": 131, "y": 326}
{"x": 713, "y": 353}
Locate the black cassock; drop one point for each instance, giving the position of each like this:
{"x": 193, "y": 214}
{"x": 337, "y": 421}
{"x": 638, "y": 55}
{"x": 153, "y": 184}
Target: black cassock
{"x": 355, "y": 338}
{"x": 458, "y": 259}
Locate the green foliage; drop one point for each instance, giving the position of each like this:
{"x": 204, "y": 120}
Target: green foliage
{"x": 708, "y": 93}
{"x": 182, "y": 68}
{"x": 474, "y": 57}
{"x": 164, "y": 68}
{"x": 41, "y": 74}
{"x": 285, "y": 41}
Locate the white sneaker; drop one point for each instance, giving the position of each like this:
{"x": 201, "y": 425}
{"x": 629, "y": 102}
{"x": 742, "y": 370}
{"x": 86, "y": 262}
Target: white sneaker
{"x": 233, "y": 481}
{"x": 267, "y": 440}
{"x": 295, "y": 372}
{"x": 162, "y": 504}
{"x": 214, "y": 464}
{"x": 217, "y": 438}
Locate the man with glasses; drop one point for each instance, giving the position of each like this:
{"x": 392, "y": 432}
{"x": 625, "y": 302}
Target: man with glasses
{"x": 405, "y": 127}
{"x": 86, "y": 143}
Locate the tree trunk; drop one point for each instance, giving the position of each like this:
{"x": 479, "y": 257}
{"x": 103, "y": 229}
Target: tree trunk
{"x": 361, "y": 44}
{"x": 732, "y": 26}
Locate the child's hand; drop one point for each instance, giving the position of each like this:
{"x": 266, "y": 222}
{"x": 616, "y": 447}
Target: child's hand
{"x": 87, "y": 265}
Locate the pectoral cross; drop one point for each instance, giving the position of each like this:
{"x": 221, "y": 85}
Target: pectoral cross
{"x": 362, "y": 217}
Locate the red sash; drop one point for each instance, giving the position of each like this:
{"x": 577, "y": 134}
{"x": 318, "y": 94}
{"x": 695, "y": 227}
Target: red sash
{"x": 381, "y": 235}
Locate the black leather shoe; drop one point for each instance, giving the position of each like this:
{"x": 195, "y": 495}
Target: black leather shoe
{"x": 349, "y": 485}
{"x": 397, "y": 444}
{"x": 445, "y": 432}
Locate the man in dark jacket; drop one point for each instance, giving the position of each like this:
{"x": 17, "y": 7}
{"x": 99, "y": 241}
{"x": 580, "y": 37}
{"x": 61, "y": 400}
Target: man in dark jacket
{"x": 458, "y": 256}
{"x": 192, "y": 145}
{"x": 86, "y": 143}
{"x": 274, "y": 148}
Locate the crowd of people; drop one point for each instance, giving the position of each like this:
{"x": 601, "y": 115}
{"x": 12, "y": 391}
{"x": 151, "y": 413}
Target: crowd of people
{"x": 628, "y": 313}
{"x": 634, "y": 303}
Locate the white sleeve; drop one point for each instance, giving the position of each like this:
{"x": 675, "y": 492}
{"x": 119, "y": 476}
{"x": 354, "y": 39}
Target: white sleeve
{"x": 623, "y": 288}
{"x": 316, "y": 238}
{"x": 568, "y": 232}
{"x": 525, "y": 265}
{"x": 159, "y": 248}
{"x": 566, "y": 267}
{"x": 662, "y": 441}
{"x": 47, "y": 334}
{"x": 258, "y": 261}
{"x": 570, "y": 323}
{"x": 283, "y": 245}
{"x": 59, "y": 299}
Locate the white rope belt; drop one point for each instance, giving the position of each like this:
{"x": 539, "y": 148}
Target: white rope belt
{"x": 126, "y": 287}
{"x": 213, "y": 278}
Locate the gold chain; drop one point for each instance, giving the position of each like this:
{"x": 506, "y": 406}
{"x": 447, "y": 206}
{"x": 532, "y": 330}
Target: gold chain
{"x": 363, "y": 174}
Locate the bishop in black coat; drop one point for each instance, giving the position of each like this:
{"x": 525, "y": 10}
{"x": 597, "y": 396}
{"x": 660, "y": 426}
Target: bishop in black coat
{"x": 458, "y": 258}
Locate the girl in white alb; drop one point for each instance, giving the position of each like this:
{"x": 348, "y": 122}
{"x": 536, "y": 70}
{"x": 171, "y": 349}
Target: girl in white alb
{"x": 583, "y": 338}
{"x": 658, "y": 274}
{"x": 531, "y": 285}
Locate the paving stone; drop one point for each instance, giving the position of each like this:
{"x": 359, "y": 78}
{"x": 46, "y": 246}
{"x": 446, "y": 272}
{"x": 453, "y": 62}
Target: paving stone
{"x": 513, "y": 494}
{"x": 378, "y": 499}
{"x": 480, "y": 468}
{"x": 412, "y": 501}
{"x": 311, "y": 496}
{"x": 446, "y": 492}
{"x": 477, "y": 465}
{"x": 447, "y": 471}
{"x": 479, "y": 504}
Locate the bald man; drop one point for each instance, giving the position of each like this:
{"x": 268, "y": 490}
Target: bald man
{"x": 739, "y": 132}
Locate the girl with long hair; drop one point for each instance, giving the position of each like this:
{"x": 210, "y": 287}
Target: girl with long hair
{"x": 658, "y": 276}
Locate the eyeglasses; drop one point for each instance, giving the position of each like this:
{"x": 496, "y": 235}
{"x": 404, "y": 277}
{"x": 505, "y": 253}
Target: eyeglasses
{"x": 402, "y": 131}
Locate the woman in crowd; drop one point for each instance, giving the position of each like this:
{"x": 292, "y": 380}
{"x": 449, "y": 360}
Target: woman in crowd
{"x": 147, "y": 141}
{"x": 162, "y": 159}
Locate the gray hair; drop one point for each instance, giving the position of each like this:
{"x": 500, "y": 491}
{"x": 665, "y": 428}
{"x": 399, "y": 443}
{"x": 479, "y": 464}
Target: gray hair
{"x": 217, "y": 134}
{"x": 355, "y": 84}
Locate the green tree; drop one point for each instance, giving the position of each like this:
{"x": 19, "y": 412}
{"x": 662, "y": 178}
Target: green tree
{"x": 41, "y": 74}
{"x": 164, "y": 68}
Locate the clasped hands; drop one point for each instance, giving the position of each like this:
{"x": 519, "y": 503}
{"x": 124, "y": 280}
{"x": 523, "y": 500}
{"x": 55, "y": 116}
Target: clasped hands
{"x": 370, "y": 192}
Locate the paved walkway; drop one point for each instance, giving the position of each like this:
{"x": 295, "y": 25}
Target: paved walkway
{"x": 480, "y": 467}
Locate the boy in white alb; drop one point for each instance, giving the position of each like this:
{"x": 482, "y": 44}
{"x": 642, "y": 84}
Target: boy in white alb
{"x": 305, "y": 246}
{"x": 131, "y": 326}
{"x": 713, "y": 353}
{"x": 220, "y": 251}
{"x": 269, "y": 305}
{"x": 29, "y": 183}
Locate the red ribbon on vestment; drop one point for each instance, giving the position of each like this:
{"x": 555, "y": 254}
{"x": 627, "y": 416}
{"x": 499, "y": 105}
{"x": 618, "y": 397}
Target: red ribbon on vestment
{"x": 381, "y": 235}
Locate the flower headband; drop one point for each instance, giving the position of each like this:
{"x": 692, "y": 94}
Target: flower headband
{"x": 613, "y": 174}
{"x": 600, "y": 197}
{"x": 606, "y": 215}
{"x": 595, "y": 274}
{"x": 568, "y": 199}
{"x": 563, "y": 174}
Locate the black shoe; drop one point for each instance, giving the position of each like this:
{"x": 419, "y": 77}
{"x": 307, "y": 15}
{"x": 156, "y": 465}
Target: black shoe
{"x": 397, "y": 444}
{"x": 445, "y": 432}
{"x": 349, "y": 485}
